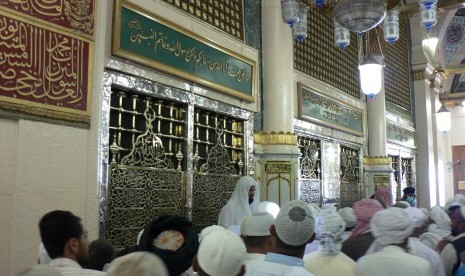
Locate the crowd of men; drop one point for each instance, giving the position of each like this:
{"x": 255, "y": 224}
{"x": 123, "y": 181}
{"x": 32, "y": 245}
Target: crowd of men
{"x": 375, "y": 237}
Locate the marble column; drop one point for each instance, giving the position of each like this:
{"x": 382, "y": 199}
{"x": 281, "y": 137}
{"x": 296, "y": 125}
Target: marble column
{"x": 377, "y": 166}
{"x": 276, "y": 150}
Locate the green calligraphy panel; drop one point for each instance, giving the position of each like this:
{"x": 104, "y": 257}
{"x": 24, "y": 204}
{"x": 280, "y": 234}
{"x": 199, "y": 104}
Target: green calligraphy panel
{"x": 155, "y": 42}
{"x": 318, "y": 108}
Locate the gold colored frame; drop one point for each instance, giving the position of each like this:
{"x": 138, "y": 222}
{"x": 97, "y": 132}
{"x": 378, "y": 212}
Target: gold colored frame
{"x": 117, "y": 51}
{"x": 304, "y": 117}
{"x": 52, "y": 112}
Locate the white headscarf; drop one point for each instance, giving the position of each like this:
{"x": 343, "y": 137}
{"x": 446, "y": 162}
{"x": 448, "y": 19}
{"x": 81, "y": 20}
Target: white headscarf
{"x": 348, "y": 215}
{"x": 238, "y": 205}
{"x": 417, "y": 217}
{"x": 391, "y": 226}
{"x": 329, "y": 226}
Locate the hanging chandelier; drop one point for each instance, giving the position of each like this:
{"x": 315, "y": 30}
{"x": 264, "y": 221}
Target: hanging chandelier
{"x": 362, "y": 17}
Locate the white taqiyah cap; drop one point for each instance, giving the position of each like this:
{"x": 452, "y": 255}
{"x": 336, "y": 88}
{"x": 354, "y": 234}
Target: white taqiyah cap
{"x": 138, "y": 263}
{"x": 269, "y": 207}
{"x": 221, "y": 253}
{"x": 208, "y": 230}
{"x": 417, "y": 217}
{"x": 257, "y": 225}
{"x": 295, "y": 223}
{"x": 348, "y": 215}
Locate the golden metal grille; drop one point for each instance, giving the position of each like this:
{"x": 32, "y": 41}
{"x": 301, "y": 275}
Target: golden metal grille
{"x": 310, "y": 169}
{"x": 318, "y": 56}
{"x": 407, "y": 172}
{"x": 218, "y": 136}
{"x": 226, "y": 15}
{"x": 396, "y": 74}
{"x": 350, "y": 177}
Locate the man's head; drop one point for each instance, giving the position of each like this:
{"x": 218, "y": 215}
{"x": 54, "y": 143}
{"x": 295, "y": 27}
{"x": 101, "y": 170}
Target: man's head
{"x": 255, "y": 232}
{"x": 458, "y": 221}
{"x": 409, "y": 195}
{"x": 329, "y": 227}
{"x": 251, "y": 194}
{"x": 101, "y": 252}
{"x": 220, "y": 253}
{"x": 138, "y": 263}
{"x": 391, "y": 226}
{"x": 417, "y": 218}
{"x": 293, "y": 227}
{"x": 63, "y": 235}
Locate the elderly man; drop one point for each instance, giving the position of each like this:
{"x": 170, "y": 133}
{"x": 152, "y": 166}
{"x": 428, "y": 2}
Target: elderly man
{"x": 65, "y": 240}
{"x": 329, "y": 228}
{"x": 391, "y": 228}
{"x": 255, "y": 232}
{"x": 292, "y": 230}
{"x": 243, "y": 202}
{"x": 451, "y": 253}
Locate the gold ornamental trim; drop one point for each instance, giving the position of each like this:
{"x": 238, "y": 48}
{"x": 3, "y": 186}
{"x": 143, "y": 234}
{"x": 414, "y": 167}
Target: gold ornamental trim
{"x": 275, "y": 138}
{"x": 376, "y": 160}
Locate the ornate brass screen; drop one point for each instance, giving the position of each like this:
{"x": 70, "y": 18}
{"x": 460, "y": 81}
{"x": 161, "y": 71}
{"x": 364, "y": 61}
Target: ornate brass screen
{"x": 350, "y": 177}
{"x": 310, "y": 168}
{"x": 407, "y": 173}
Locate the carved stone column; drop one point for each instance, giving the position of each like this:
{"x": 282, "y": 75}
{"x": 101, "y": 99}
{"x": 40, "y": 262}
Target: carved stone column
{"x": 276, "y": 150}
{"x": 276, "y": 166}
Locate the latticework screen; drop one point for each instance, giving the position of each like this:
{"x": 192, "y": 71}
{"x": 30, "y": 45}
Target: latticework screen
{"x": 310, "y": 168}
{"x": 397, "y": 73}
{"x": 226, "y": 15}
{"x": 319, "y": 57}
{"x": 350, "y": 176}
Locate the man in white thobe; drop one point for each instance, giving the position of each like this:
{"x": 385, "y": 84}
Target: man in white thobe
{"x": 329, "y": 228}
{"x": 292, "y": 230}
{"x": 391, "y": 228}
{"x": 243, "y": 202}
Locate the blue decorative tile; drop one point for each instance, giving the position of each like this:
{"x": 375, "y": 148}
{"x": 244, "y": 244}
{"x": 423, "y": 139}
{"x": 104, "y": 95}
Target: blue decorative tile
{"x": 454, "y": 38}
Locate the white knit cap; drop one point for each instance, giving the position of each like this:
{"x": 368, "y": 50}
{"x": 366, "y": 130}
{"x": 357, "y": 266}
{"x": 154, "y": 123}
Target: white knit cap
{"x": 295, "y": 223}
{"x": 391, "y": 226}
{"x": 208, "y": 230}
{"x": 440, "y": 217}
{"x": 138, "y": 263}
{"x": 257, "y": 224}
{"x": 417, "y": 217}
{"x": 348, "y": 215}
{"x": 40, "y": 270}
{"x": 221, "y": 253}
{"x": 269, "y": 207}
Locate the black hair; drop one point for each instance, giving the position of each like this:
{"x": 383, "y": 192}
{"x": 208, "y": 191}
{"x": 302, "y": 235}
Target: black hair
{"x": 101, "y": 252}
{"x": 57, "y": 228}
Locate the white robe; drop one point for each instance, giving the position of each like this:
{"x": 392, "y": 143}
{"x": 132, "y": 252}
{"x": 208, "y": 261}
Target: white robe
{"x": 238, "y": 205}
{"x": 329, "y": 265}
{"x": 282, "y": 265}
{"x": 392, "y": 261}
{"x": 449, "y": 256}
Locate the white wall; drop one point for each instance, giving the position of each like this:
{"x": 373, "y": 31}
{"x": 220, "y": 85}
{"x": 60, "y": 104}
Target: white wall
{"x": 458, "y": 122}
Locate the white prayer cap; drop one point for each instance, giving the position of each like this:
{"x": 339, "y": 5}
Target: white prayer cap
{"x": 391, "y": 226}
{"x": 257, "y": 224}
{"x": 221, "y": 253}
{"x": 417, "y": 217}
{"x": 295, "y": 223}
{"x": 208, "y": 230}
{"x": 348, "y": 215}
{"x": 329, "y": 221}
{"x": 440, "y": 217}
{"x": 40, "y": 270}
{"x": 315, "y": 209}
{"x": 44, "y": 258}
{"x": 430, "y": 239}
{"x": 138, "y": 263}
{"x": 460, "y": 199}
{"x": 269, "y": 207}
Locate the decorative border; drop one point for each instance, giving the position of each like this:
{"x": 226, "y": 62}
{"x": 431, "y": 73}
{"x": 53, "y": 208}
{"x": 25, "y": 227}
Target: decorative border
{"x": 170, "y": 68}
{"x": 329, "y": 102}
{"x": 44, "y": 71}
